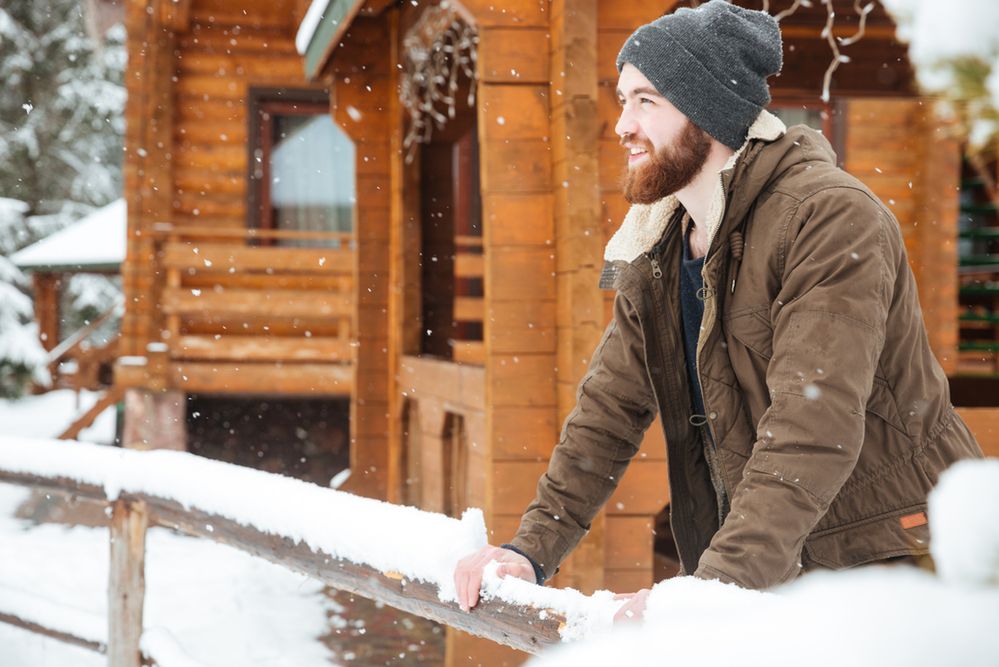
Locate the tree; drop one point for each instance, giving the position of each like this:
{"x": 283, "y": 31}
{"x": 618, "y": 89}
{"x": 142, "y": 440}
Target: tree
{"x": 61, "y": 141}
{"x": 22, "y": 358}
{"x": 954, "y": 48}
{"x": 62, "y": 111}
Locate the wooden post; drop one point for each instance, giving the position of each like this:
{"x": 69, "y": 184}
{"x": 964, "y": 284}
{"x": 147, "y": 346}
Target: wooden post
{"x": 155, "y": 420}
{"x": 47, "y": 307}
{"x": 126, "y": 583}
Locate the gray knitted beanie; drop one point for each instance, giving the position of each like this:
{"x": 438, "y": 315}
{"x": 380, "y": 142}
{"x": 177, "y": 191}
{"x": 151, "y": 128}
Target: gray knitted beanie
{"x": 711, "y": 63}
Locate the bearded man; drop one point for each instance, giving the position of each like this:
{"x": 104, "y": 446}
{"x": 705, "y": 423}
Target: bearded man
{"x": 765, "y": 308}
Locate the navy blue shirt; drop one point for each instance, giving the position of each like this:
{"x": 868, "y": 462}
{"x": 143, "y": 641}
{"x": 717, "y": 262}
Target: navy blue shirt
{"x": 692, "y": 310}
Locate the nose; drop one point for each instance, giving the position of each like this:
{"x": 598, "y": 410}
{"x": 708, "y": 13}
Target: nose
{"x": 625, "y": 123}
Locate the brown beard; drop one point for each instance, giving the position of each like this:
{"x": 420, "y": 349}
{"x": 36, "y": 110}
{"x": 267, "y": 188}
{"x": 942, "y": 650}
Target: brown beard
{"x": 669, "y": 169}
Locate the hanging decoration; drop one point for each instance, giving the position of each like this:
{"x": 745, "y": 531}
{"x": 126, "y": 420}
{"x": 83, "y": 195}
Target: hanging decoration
{"x": 439, "y": 47}
{"x": 827, "y": 32}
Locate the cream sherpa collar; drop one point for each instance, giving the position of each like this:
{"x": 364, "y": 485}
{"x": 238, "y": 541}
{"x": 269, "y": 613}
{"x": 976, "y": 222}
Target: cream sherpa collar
{"x": 644, "y": 224}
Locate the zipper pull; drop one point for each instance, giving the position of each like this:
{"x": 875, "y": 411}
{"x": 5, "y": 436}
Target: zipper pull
{"x": 656, "y": 271}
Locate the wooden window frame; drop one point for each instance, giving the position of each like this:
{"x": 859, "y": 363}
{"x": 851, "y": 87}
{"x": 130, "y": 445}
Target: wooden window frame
{"x": 263, "y": 103}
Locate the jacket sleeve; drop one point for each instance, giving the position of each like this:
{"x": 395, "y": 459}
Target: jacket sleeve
{"x": 614, "y": 407}
{"x": 842, "y": 253}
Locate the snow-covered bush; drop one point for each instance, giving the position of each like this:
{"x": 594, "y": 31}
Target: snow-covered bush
{"x": 22, "y": 358}
{"x": 954, "y": 48}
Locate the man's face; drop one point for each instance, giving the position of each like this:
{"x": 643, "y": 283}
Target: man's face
{"x": 665, "y": 150}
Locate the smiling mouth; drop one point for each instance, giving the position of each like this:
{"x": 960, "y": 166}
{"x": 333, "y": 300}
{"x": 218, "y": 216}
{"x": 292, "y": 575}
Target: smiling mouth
{"x": 636, "y": 154}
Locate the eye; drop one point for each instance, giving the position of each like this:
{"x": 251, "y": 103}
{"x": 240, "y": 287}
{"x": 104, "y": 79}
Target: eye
{"x": 620, "y": 101}
{"x": 643, "y": 100}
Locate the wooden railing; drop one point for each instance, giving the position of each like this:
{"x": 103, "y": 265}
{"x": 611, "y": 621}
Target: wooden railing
{"x": 237, "y": 300}
{"x": 522, "y": 627}
{"x": 469, "y": 308}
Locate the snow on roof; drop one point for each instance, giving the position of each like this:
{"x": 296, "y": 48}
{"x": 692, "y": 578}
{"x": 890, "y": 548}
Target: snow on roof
{"x": 309, "y": 24}
{"x": 97, "y": 241}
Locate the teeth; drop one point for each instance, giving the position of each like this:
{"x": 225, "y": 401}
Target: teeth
{"x": 637, "y": 151}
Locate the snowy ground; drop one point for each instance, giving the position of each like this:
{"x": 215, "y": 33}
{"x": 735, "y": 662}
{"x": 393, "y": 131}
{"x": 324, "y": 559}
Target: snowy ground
{"x": 48, "y": 415}
{"x": 222, "y": 607}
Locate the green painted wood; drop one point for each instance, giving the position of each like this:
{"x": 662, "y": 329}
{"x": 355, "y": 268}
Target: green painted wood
{"x": 330, "y": 27}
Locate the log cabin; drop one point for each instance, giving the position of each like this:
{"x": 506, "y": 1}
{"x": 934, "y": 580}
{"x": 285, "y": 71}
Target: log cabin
{"x": 407, "y": 214}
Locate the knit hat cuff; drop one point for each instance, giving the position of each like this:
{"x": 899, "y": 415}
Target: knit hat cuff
{"x": 683, "y": 79}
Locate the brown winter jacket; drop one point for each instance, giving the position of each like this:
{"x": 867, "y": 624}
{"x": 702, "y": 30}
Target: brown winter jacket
{"x": 829, "y": 419}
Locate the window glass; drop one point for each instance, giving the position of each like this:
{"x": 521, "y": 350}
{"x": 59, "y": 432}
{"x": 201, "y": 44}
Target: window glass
{"x": 311, "y": 174}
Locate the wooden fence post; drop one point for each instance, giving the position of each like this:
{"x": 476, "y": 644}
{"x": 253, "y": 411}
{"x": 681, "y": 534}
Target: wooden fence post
{"x": 127, "y": 582}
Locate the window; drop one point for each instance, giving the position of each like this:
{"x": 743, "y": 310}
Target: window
{"x": 301, "y": 166}
{"x": 817, "y": 115}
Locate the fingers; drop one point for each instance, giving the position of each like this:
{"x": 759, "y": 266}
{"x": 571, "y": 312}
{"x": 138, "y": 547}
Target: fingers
{"x": 469, "y": 572}
{"x": 634, "y": 608}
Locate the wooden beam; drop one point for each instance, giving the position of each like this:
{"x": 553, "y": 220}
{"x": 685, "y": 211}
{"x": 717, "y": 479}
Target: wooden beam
{"x": 110, "y": 397}
{"x": 127, "y": 582}
{"x": 262, "y": 378}
{"x": 62, "y": 636}
{"x": 258, "y": 348}
{"x": 175, "y": 14}
{"x": 212, "y": 257}
{"x": 273, "y": 304}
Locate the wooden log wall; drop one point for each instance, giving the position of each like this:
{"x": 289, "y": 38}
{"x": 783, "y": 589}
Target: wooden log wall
{"x": 148, "y": 165}
{"x": 190, "y": 71}
{"x": 909, "y": 160}
{"x": 363, "y": 83}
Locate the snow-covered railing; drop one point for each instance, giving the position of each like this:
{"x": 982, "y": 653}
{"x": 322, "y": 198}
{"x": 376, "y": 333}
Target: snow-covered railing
{"x": 397, "y": 555}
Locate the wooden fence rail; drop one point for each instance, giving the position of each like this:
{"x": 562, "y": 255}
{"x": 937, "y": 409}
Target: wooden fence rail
{"x": 518, "y": 626}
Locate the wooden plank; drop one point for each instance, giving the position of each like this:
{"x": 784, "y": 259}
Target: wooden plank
{"x": 513, "y": 55}
{"x": 508, "y": 14}
{"x": 498, "y": 621}
{"x": 515, "y": 483}
{"x": 515, "y": 166}
{"x": 643, "y": 490}
{"x": 628, "y": 581}
{"x": 629, "y": 542}
{"x": 984, "y": 423}
{"x": 469, "y": 352}
{"x": 500, "y": 210}
{"x": 523, "y": 380}
{"x": 257, "y": 348}
{"x": 126, "y": 583}
{"x": 468, "y": 309}
{"x": 514, "y": 112}
{"x": 524, "y": 433}
{"x": 215, "y": 257}
{"x": 521, "y": 272}
{"x": 630, "y": 15}
{"x": 467, "y": 265}
{"x": 60, "y": 635}
{"x": 304, "y": 379}
{"x": 275, "y": 304}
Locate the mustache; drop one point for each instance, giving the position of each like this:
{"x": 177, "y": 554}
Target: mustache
{"x": 631, "y": 139}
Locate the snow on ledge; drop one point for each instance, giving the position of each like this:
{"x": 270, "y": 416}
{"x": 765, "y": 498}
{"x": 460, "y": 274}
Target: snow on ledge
{"x": 361, "y": 530}
{"x": 418, "y": 545}
{"x": 309, "y": 24}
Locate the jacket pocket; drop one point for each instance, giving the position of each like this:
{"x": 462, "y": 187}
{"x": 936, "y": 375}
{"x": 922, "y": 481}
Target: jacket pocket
{"x": 751, "y": 328}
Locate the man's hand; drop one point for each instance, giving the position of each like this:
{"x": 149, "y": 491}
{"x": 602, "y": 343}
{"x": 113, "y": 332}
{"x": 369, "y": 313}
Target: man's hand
{"x": 634, "y": 609}
{"x": 468, "y": 573}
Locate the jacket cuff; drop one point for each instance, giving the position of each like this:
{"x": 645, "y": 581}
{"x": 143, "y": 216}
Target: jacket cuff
{"x": 539, "y": 574}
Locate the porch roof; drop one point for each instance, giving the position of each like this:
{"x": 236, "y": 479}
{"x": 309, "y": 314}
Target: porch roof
{"x": 324, "y": 25}
{"x": 96, "y": 242}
